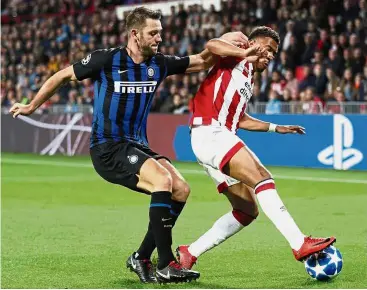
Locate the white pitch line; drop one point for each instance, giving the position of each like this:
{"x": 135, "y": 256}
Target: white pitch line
{"x": 290, "y": 177}
{"x": 43, "y": 162}
{"x": 48, "y": 179}
{"x": 182, "y": 170}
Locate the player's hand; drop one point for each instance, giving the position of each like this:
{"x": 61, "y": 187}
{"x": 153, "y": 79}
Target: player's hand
{"x": 264, "y": 61}
{"x": 290, "y": 129}
{"x": 236, "y": 38}
{"x": 21, "y": 109}
{"x": 253, "y": 53}
{"x": 265, "y": 58}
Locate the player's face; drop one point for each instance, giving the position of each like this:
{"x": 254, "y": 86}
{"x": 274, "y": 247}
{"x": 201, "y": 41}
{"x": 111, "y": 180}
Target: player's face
{"x": 271, "y": 47}
{"x": 150, "y": 37}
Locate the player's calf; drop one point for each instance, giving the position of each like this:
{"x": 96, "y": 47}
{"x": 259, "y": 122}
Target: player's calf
{"x": 181, "y": 191}
{"x": 160, "y": 217}
{"x": 243, "y": 214}
{"x": 274, "y": 208}
{"x": 167, "y": 177}
{"x": 246, "y": 167}
{"x": 243, "y": 200}
{"x": 244, "y": 218}
{"x": 225, "y": 227}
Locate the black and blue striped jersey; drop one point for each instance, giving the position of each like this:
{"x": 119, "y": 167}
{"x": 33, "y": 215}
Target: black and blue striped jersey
{"x": 124, "y": 91}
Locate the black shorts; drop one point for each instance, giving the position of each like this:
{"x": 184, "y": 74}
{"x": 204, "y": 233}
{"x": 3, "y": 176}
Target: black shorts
{"x": 120, "y": 162}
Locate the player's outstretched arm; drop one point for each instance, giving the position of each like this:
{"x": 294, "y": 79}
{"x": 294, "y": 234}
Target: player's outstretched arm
{"x": 46, "y": 92}
{"x": 87, "y": 67}
{"x": 206, "y": 59}
{"x": 252, "y": 124}
{"x": 223, "y": 48}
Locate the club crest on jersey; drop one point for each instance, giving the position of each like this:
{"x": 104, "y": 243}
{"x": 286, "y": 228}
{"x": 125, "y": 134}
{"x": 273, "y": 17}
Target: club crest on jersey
{"x": 150, "y": 72}
{"x": 86, "y": 59}
{"x": 133, "y": 158}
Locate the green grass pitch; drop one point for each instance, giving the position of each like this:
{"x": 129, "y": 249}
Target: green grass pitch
{"x": 65, "y": 227}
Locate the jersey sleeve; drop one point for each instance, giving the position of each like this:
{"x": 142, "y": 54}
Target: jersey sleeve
{"x": 91, "y": 65}
{"x": 176, "y": 65}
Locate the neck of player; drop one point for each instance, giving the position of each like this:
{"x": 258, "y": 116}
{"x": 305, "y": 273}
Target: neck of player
{"x": 134, "y": 52}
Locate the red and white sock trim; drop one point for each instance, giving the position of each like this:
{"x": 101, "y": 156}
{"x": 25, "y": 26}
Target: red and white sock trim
{"x": 264, "y": 185}
{"x": 243, "y": 218}
{"x": 222, "y": 187}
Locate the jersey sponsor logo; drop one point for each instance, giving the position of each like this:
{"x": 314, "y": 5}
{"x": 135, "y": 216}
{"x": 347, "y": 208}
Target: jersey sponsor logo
{"x": 121, "y": 71}
{"x": 86, "y": 59}
{"x": 133, "y": 158}
{"x": 341, "y": 155}
{"x": 164, "y": 220}
{"x": 246, "y": 91}
{"x": 135, "y": 87}
{"x": 150, "y": 72}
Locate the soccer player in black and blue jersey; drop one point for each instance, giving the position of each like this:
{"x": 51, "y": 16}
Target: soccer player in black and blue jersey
{"x": 125, "y": 79}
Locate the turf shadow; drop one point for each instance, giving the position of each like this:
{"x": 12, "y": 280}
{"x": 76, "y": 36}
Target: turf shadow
{"x": 136, "y": 284}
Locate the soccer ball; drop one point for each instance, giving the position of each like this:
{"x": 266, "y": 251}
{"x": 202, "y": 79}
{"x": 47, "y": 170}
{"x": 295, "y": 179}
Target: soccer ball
{"x": 325, "y": 265}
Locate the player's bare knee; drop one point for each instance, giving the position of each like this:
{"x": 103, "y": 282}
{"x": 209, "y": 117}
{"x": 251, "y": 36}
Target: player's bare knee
{"x": 166, "y": 182}
{"x": 181, "y": 190}
{"x": 265, "y": 173}
{"x": 163, "y": 181}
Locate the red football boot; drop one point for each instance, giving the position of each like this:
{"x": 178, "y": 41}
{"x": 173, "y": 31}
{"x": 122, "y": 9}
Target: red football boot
{"x": 311, "y": 246}
{"x": 184, "y": 257}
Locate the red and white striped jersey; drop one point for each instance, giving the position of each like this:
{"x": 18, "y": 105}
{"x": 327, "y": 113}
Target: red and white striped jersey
{"x": 224, "y": 94}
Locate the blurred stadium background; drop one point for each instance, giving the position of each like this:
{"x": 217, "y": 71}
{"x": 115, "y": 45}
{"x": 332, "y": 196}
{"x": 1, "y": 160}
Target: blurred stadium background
{"x": 64, "y": 227}
{"x": 321, "y": 63}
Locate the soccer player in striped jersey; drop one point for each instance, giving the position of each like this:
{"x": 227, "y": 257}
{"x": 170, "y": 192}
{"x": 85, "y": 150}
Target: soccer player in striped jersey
{"x": 125, "y": 79}
{"x": 218, "y": 111}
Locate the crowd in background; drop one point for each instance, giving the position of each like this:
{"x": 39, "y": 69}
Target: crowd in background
{"x": 322, "y": 56}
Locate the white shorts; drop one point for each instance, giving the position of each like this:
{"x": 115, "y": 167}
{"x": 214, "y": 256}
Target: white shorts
{"x": 214, "y": 146}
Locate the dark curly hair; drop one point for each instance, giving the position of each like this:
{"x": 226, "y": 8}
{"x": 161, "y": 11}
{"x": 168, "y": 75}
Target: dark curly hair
{"x": 264, "y": 31}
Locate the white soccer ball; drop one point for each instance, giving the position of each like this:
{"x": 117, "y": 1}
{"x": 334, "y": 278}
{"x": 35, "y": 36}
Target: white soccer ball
{"x": 325, "y": 265}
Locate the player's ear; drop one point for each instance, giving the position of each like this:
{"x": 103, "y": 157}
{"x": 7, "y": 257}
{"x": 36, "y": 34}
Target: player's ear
{"x": 135, "y": 34}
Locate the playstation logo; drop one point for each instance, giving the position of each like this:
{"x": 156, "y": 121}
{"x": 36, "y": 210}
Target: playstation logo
{"x": 340, "y": 155}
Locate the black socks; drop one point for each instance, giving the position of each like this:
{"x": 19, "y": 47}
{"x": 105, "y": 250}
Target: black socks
{"x": 161, "y": 222}
{"x": 159, "y": 206}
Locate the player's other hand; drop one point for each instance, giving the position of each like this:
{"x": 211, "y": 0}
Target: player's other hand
{"x": 257, "y": 53}
{"x": 21, "y": 109}
{"x": 253, "y": 53}
{"x": 236, "y": 38}
{"x": 290, "y": 129}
